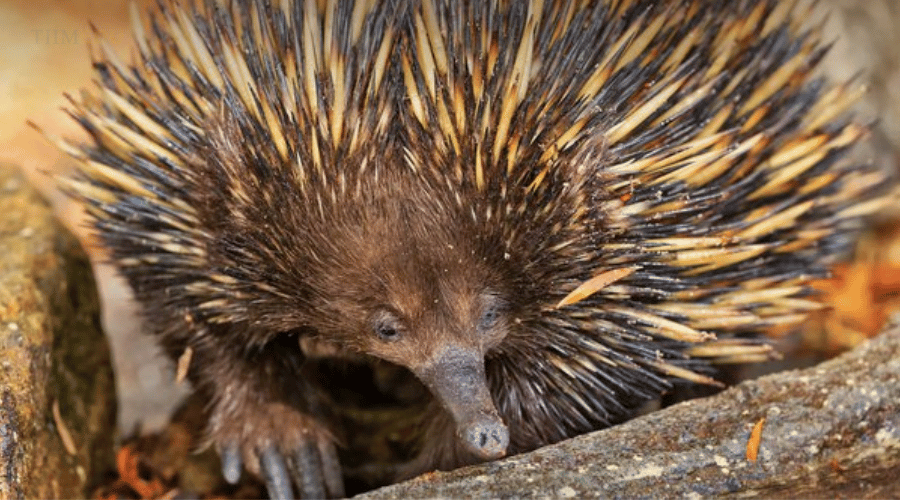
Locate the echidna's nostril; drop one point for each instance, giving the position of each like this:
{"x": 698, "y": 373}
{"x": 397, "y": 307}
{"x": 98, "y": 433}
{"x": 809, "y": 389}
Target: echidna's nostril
{"x": 488, "y": 438}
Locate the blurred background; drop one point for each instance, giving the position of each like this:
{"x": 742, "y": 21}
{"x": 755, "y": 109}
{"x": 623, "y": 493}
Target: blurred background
{"x": 45, "y": 53}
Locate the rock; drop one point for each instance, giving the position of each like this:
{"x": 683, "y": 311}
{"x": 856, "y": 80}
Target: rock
{"x": 57, "y": 399}
{"x": 866, "y": 48}
{"x": 829, "y": 431}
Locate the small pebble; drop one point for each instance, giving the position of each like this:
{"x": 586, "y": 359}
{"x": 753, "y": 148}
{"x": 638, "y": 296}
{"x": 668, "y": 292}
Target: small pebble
{"x": 567, "y": 492}
{"x": 13, "y": 184}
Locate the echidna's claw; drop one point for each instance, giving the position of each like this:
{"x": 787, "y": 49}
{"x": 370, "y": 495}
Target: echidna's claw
{"x": 308, "y": 471}
{"x": 316, "y": 470}
{"x": 331, "y": 469}
{"x": 278, "y": 483}
{"x": 231, "y": 463}
{"x": 285, "y": 448}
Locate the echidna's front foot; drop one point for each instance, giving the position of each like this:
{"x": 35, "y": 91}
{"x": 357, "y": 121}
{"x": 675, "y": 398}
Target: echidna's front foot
{"x": 285, "y": 452}
{"x": 315, "y": 471}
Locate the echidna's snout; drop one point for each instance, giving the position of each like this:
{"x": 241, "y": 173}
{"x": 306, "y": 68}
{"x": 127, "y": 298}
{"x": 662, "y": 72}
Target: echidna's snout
{"x": 456, "y": 377}
{"x": 487, "y": 438}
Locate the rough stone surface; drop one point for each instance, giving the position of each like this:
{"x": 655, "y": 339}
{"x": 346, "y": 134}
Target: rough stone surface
{"x": 832, "y": 431}
{"x": 57, "y": 399}
{"x": 866, "y": 47}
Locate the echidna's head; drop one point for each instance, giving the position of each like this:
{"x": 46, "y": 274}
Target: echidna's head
{"x": 406, "y": 283}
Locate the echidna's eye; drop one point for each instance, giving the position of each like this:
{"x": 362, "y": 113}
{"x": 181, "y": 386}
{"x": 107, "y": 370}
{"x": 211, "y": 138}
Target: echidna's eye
{"x": 387, "y": 332}
{"x": 386, "y": 327}
{"x": 488, "y": 319}
{"x": 490, "y": 313}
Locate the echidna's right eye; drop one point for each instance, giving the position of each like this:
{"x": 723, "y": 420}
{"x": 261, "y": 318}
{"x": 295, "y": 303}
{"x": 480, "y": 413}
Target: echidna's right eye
{"x": 386, "y": 327}
{"x": 387, "y": 332}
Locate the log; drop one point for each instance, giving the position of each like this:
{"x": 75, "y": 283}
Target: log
{"x": 829, "y": 431}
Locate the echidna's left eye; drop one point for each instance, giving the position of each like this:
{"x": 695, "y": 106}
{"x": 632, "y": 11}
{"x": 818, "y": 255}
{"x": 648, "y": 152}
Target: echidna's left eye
{"x": 488, "y": 319}
{"x": 490, "y": 313}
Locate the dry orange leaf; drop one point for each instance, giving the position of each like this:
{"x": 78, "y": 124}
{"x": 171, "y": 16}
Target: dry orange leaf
{"x": 755, "y": 439}
{"x": 127, "y": 461}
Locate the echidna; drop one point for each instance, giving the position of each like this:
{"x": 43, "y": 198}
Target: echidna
{"x": 548, "y": 211}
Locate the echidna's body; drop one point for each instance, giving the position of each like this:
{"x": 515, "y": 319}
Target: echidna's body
{"x": 560, "y": 203}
